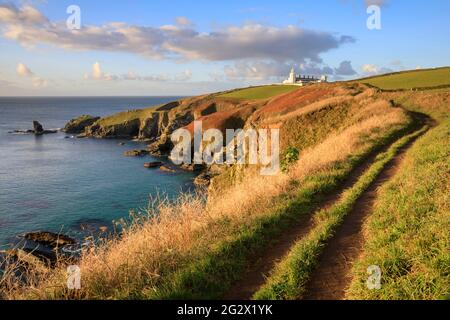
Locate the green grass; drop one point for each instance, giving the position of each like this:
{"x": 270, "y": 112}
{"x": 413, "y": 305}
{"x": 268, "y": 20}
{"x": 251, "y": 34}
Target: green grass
{"x": 291, "y": 275}
{"x": 257, "y": 93}
{"x": 411, "y": 79}
{"x": 408, "y": 234}
{"x": 210, "y": 276}
{"x": 126, "y": 116}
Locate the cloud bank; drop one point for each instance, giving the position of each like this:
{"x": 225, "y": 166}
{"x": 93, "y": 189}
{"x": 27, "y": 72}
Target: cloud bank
{"x": 30, "y": 28}
{"x": 97, "y": 73}
{"x": 267, "y": 70}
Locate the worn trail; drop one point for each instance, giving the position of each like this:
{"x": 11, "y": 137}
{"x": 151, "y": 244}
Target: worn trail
{"x": 332, "y": 276}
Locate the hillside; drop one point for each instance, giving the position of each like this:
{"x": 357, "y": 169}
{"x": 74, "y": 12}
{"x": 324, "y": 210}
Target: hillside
{"x": 416, "y": 79}
{"x": 367, "y": 185}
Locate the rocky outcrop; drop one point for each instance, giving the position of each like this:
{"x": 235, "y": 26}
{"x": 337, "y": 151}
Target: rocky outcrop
{"x": 78, "y": 125}
{"x": 46, "y": 246}
{"x": 38, "y": 130}
{"x": 154, "y": 164}
{"x": 154, "y": 126}
{"x": 136, "y": 153}
{"x": 162, "y": 144}
{"x": 37, "y": 127}
{"x": 193, "y": 167}
{"x": 167, "y": 169}
{"x": 203, "y": 180}
{"x": 125, "y": 130}
{"x": 49, "y": 239}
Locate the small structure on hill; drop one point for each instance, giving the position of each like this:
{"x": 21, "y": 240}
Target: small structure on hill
{"x": 300, "y": 80}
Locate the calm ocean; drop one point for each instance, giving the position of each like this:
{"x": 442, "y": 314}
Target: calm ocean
{"x": 56, "y": 184}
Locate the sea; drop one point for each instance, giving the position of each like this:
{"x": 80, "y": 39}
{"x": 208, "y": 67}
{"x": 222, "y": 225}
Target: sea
{"x": 58, "y": 183}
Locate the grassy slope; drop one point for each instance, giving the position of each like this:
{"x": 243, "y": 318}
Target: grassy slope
{"x": 126, "y": 116}
{"x": 290, "y": 276}
{"x": 256, "y": 93}
{"x": 411, "y": 79}
{"x": 408, "y": 234}
{"x": 210, "y": 276}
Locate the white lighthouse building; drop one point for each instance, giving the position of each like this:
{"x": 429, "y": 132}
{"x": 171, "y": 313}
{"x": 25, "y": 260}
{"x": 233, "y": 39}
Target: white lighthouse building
{"x": 300, "y": 80}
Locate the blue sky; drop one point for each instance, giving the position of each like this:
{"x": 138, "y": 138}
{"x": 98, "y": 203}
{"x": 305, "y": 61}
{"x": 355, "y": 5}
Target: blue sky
{"x": 139, "y": 47}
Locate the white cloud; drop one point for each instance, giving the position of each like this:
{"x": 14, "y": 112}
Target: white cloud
{"x": 259, "y": 70}
{"x": 23, "y": 71}
{"x": 183, "y": 21}
{"x": 184, "y": 76}
{"x": 379, "y": 3}
{"x": 25, "y": 16}
{"x": 371, "y": 69}
{"x": 98, "y": 74}
{"x": 250, "y": 41}
{"x": 38, "y": 82}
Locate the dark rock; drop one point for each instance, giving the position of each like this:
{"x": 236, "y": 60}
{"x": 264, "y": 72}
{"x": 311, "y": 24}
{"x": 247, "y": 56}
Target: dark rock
{"x": 167, "y": 169}
{"x": 50, "y": 239}
{"x": 78, "y": 125}
{"x": 22, "y": 131}
{"x": 17, "y": 263}
{"x": 193, "y": 167}
{"x": 37, "y": 128}
{"x": 203, "y": 180}
{"x": 154, "y": 164}
{"x": 136, "y": 153}
{"x": 49, "y": 131}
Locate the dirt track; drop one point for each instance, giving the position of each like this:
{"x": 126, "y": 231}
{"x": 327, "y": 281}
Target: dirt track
{"x": 255, "y": 275}
{"x": 332, "y": 275}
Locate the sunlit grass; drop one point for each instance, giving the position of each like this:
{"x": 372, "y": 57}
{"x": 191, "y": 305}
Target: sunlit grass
{"x": 411, "y": 79}
{"x": 256, "y": 93}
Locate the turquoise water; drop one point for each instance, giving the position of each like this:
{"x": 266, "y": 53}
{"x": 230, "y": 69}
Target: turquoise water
{"x": 58, "y": 184}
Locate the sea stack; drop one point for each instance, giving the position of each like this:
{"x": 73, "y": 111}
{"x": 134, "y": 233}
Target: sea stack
{"x": 37, "y": 128}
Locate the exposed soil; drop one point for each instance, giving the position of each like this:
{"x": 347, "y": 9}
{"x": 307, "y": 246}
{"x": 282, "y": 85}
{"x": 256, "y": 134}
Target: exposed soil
{"x": 332, "y": 276}
{"x": 255, "y": 275}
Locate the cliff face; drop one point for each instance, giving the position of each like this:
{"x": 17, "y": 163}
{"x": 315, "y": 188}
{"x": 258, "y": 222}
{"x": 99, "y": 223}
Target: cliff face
{"x": 156, "y": 124}
{"x": 79, "y": 124}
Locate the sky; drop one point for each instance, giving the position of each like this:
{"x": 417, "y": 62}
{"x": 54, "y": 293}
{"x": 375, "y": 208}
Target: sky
{"x": 163, "y": 48}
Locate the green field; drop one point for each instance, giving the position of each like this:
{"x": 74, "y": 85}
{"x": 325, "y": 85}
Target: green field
{"x": 256, "y": 93}
{"x": 411, "y": 79}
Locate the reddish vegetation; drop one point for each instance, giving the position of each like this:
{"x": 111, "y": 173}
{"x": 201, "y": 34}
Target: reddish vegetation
{"x": 295, "y": 99}
{"x": 229, "y": 119}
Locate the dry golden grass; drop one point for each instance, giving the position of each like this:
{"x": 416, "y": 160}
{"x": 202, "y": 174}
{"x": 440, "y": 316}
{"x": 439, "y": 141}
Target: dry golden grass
{"x": 170, "y": 235}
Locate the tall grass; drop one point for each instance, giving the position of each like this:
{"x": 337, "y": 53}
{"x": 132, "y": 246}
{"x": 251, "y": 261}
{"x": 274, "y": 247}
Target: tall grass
{"x": 408, "y": 234}
{"x": 289, "y": 278}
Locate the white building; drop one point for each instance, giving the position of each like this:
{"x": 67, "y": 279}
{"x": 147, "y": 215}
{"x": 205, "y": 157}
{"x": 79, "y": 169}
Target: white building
{"x": 303, "y": 80}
